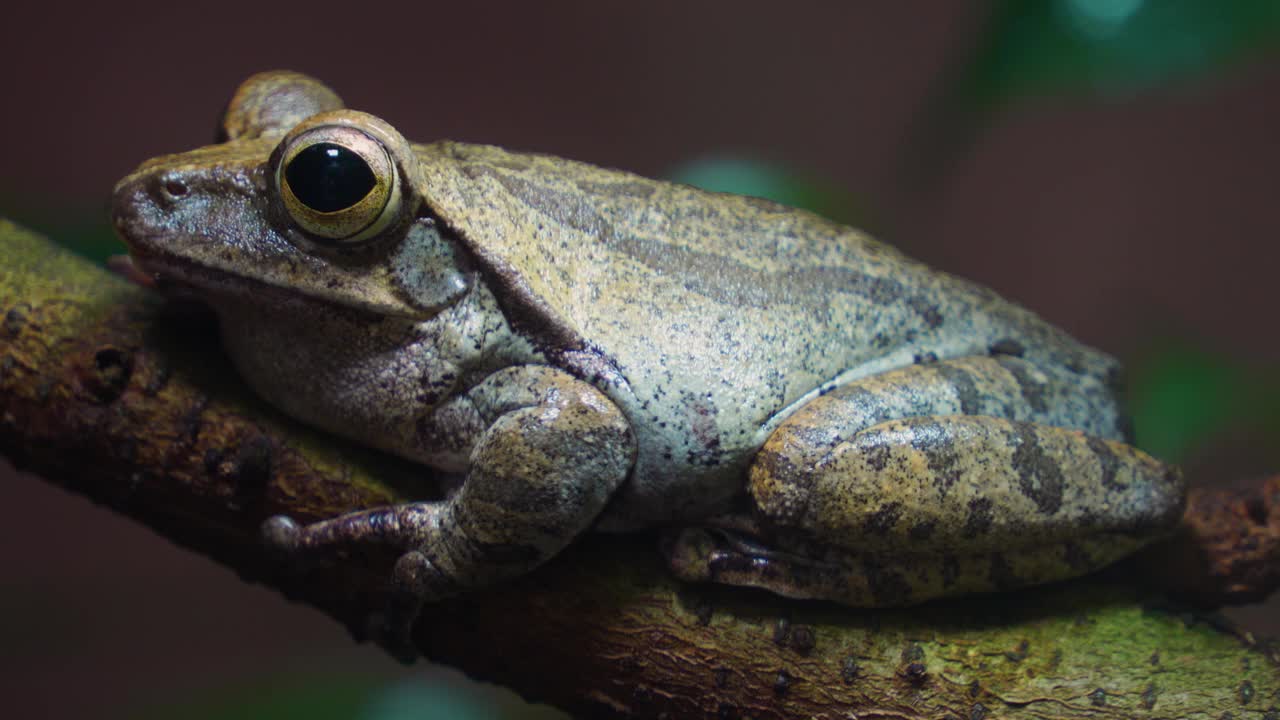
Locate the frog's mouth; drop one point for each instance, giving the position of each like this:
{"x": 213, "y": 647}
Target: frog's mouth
{"x": 180, "y": 277}
{"x": 170, "y": 274}
{"x": 175, "y": 276}
{"x": 125, "y": 267}
{"x": 153, "y": 260}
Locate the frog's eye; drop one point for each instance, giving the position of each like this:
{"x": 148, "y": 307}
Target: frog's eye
{"x": 338, "y": 183}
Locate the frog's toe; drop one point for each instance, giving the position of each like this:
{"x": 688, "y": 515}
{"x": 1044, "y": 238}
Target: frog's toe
{"x": 415, "y": 581}
{"x": 390, "y": 626}
{"x": 706, "y": 554}
{"x": 688, "y": 552}
{"x": 281, "y": 534}
{"x": 415, "y": 576}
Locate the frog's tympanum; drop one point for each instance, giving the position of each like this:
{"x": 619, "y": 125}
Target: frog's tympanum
{"x": 801, "y": 408}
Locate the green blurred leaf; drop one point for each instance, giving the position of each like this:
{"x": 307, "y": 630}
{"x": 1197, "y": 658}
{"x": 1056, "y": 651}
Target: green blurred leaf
{"x": 1044, "y": 47}
{"x": 447, "y": 696}
{"x": 1182, "y": 396}
{"x": 758, "y": 179}
{"x": 418, "y": 700}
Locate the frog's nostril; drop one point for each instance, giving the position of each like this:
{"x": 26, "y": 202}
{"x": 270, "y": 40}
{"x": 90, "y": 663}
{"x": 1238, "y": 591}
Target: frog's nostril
{"x": 174, "y": 189}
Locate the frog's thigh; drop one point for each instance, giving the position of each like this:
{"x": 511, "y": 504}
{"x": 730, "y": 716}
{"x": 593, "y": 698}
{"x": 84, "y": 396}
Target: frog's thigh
{"x": 869, "y": 510}
{"x": 918, "y": 508}
{"x": 924, "y": 454}
{"x": 933, "y": 483}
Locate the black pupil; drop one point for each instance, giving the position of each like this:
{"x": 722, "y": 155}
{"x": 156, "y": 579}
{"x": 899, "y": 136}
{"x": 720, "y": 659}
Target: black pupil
{"x": 328, "y": 177}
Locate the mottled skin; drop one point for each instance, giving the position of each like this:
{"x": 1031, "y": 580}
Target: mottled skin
{"x": 807, "y": 409}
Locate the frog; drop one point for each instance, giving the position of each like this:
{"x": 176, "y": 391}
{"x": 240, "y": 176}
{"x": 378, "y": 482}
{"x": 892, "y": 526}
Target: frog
{"x": 785, "y": 402}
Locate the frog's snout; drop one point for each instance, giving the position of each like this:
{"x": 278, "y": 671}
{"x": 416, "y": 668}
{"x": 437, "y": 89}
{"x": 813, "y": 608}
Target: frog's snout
{"x": 142, "y": 197}
{"x": 140, "y": 207}
{"x": 131, "y": 220}
{"x": 156, "y": 214}
{"x": 127, "y": 200}
{"x": 158, "y": 211}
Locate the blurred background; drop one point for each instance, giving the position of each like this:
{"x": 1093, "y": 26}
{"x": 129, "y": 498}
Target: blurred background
{"x": 1108, "y": 163}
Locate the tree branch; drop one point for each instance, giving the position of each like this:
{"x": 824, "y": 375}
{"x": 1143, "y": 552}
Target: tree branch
{"x": 105, "y": 390}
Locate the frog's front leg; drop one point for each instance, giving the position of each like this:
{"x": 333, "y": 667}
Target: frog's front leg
{"x": 550, "y": 453}
{"x": 886, "y": 492}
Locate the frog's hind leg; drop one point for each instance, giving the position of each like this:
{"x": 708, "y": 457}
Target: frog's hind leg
{"x": 960, "y": 476}
{"x": 805, "y": 568}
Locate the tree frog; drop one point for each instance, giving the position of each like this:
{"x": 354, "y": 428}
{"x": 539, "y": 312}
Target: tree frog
{"x": 797, "y": 406}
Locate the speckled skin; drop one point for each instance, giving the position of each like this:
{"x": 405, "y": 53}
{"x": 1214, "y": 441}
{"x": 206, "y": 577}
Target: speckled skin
{"x": 823, "y": 415}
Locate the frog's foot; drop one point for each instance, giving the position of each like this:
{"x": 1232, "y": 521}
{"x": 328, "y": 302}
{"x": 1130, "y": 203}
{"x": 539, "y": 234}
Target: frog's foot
{"x": 812, "y": 570}
{"x": 415, "y": 580}
{"x": 721, "y": 555}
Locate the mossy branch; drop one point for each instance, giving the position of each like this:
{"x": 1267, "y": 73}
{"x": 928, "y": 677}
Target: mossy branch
{"x": 106, "y": 390}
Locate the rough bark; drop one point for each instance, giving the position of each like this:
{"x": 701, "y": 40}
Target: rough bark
{"x": 105, "y": 390}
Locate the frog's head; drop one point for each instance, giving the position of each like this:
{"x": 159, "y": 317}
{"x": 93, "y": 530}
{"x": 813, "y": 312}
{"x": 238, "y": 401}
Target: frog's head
{"x": 303, "y": 201}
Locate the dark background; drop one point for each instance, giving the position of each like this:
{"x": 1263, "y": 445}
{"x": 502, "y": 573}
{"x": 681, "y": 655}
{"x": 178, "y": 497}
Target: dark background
{"x": 1136, "y": 218}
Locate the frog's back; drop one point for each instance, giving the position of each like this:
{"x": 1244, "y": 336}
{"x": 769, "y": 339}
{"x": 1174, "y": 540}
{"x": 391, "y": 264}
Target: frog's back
{"x": 718, "y": 312}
